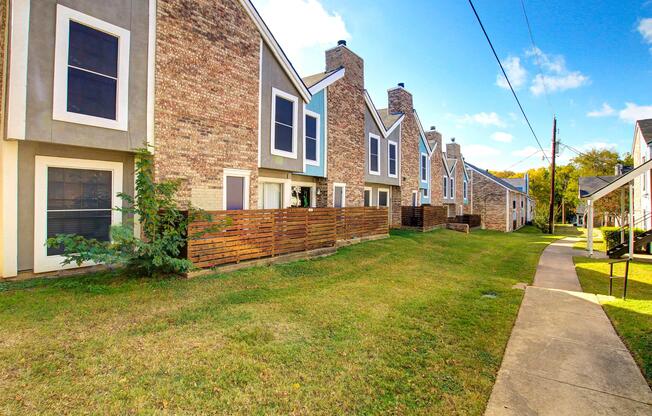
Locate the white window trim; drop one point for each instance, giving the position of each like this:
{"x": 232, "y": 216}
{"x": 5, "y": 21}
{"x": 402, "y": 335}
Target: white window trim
{"x": 313, "y": 191}
{"x": 415, "y": 199}
{"x": 395, "y": 144}
{"x": 466, "y": 190}
{"x": 309, "y": 113}
{"x": 343, "y": 186}
{"x": 241, "y": 173}
{"x": 446, "y": 186}
{"x": 377, "y": 138}
{"x": 421, "y": 166}
{"x": 60, "y": 95}
{"x": 295, "y": 123}
{"x": 452, "y": 188}
{"x": 378, "y": 198}
{"x": 43, "y": 262}
{"x": 371, "y": 195}
{"x": 287, "y": 190}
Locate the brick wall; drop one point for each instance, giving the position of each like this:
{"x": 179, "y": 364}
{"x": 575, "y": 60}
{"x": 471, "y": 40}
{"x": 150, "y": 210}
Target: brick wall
{"x": 346, "y": 150}
{"x": 436, "y": 168}
{"x": 489, "y": 201}
{"x": 395, "y": 219}
{"x": 206, "y": 110}
{"x": 400, "y": 101}
{"x": 469, "y": 208}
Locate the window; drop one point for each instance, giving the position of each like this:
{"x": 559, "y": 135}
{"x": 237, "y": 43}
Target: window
{"x": 514, "y": 204}
{"x": 452, "y": 188}
{"x": 445, "y": 187}
{"x": 367, "y": 197}
{"x": 383, "y": 198}
{"x": 465, "y": 190}
{"x": 311, "y": 128}
{"x": 415, "y": 198}
{"x": 303, "y": 196}
{"x": 284, "y": 124}
{"x": 78, "y": 199}
{"x": 424, "y": 167}
{"x": 236, "y": 189}
{"x": 91, "y": 71}
{"x": 272, "y": 197}
{"x": 374, "y": 148}
{"x": 521, "y": 204}
{"x": 339, "y": 195}
{"x": 425, "y": 192}
{"x": 392, "y": 149}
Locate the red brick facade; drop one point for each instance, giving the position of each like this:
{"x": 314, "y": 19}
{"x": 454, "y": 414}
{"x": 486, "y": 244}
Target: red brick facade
{"x": 207, "y": 98}
{"x": 346, "y": 146}
{"x": 400, "y": 101}
{"x": 437, "y": 169}
{"x": 501, "y": 209}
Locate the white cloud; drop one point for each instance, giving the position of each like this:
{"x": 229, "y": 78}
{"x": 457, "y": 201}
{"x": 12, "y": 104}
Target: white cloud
{"x": 572, "y": 80}
{"x": 304, "y": 29}
{"x": 552, "y": 63}
{"x": 633, "y": 112}
{"x": 501, "y": 136}
{"x": 526, "y": 151}
{"x": 605, "y": 111}
{"x": 484, "y": 119}
{"x": 515, "y": 71}
{"x": 645, "y": 29}
{"x": 479, "y": 153}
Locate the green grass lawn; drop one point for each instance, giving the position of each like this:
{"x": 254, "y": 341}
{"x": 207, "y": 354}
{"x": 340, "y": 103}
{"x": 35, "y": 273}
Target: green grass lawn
{"x": 598, "y": 240}
{"x": 632, "y": 318}
{"x": 413, "y": 324}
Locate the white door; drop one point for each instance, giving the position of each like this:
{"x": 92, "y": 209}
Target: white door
{"x": 272, "y": 195}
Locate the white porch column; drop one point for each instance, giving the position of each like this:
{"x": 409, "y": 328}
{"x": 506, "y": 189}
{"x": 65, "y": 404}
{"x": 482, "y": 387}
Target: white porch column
{"x": 631, "y": 220}
{"x": 589, "y": 228}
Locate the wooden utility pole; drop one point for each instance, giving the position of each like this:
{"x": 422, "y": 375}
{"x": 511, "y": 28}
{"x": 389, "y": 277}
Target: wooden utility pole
{"x": 551, "y": 218}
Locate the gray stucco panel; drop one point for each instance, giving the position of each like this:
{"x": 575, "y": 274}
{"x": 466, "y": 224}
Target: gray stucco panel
{"x": 372, "y": 128}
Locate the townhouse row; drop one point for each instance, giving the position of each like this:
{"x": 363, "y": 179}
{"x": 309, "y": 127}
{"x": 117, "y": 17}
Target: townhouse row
{"x": 206, "y": 85}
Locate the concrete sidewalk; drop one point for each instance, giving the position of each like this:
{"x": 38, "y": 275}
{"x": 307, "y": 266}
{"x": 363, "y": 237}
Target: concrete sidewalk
{"x": 564, "y": 357}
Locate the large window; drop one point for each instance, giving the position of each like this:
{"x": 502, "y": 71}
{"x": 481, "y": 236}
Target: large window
{"x": 392, "y": 159}
{"x": 236, "y": 189}
{"x": 91, "y": 72}
{"x": 383, "y": 198}
{"x": 339, "y": 195}
{"x": 311, "y": 128}
{"x": 424, "y": 167}
{"x": 73, "y": 196}
{"x": 284, "y": 124}
{"x": 374, "y": 154}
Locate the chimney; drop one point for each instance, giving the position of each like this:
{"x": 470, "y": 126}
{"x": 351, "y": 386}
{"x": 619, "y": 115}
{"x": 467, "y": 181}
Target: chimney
{"x": 434, "y": 138}
{"x": 619, "y": 169}
{"x": 342, "y": 57}
{"x": 453, "y": 150}
{"x": 400, "y": 100}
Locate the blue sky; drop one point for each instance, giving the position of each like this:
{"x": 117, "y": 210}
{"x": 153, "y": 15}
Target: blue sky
{"x": 595, "y": 58}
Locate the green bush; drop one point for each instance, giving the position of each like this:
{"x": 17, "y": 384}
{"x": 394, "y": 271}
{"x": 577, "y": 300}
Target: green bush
{"x": 164, "y": 230}
{"x": 541, "y": 215}
{"x": 611, "y": 235}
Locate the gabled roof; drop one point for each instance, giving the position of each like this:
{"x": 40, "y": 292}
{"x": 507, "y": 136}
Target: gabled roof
{"x": 276, "y": 49}
{"x": 516, "y": 183}
{"x": 590, "y": 184}
{"x": 620, "y": 181}
{"x": 423, "y": 134}
{"x": 500, "y": 181}
{"x": 451, "y": 162}
{"x": 318, "y": 82}
{"x": 388, "y": 118}
{"x": 646, "y": 129}
{"x": 385, "y": 131}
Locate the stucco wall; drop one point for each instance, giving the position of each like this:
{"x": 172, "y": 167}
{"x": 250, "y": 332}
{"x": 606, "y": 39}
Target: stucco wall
{"x": 383, "y": 178}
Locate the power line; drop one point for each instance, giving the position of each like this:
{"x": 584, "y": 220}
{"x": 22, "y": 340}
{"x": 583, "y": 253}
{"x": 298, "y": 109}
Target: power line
{"x": 507, "y": 79}
{"x": 537, "y": 53}
{"x": 524, "y": 159}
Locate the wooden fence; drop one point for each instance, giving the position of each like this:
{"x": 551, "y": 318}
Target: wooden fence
{"x": 470, "y": 219}
{"x": 255, "y": 234}
{"x": 424, "y": 217}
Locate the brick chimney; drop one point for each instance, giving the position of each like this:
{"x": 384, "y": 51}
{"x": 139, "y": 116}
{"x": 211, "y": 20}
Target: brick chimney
{"x": 433, "y": 136}
{"x": 453, "y": 150}
{"x": 400, "y": 100}
{"x": 341, "y": 56}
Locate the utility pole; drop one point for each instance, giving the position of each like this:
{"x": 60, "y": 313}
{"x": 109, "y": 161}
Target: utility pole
{"x": 551, "y": 218}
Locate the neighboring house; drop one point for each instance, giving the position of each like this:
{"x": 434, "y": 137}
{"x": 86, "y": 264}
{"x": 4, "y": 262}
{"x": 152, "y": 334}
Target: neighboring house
{"x": 523, "y": 185}
{"x": 501, "y": 205}
{"x": 455, "y": 181}
{"x": 77, "y": 82}
{"x": 641, "y": 153}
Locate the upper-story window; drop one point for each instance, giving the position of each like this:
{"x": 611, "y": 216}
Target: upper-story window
{"x": 452, "y": 188}
{"x": 424, "y": 167}
{"x": 466, "y": 186}
{"x": 445, "y": 187}
{"x": 91, "y": 71}
{"x": 284, "y": 124}
{"x": 392, "y": 159}
{"x": 374, "y": 154}
{"x": 311, "y": 128}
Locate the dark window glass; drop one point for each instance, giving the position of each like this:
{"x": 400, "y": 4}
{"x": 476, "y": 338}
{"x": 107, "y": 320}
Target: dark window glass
{"x": 392, "y": 159}
{"x": 424, "y": 174}
{"x": 382, "y": 198}
{"x": 93, "y": 50}
{"x": 452, "y": 195}
{"x": 79, "y": 202}
{"x": 445, "y": 187}
{"x": 284, "y": 111}
{"x": 235, "y": 192}
{"x": 92, "y": 72}
{"x": 367, "y": 198}
{"x": 373, "y": 152}
{"x": 283, "y": 138}
{"x": 91, "y": 94}
{"x": 338, "y": 197}
{"x": 311, "y": 138}
{"x": 514, "y": 203}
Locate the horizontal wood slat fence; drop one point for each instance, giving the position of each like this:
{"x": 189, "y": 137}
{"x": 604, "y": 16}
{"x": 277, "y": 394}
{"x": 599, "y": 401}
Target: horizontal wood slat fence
{"x": 424, "y": 217}
{"x": 255, "y": 234}
{"x": 470, "y": 219}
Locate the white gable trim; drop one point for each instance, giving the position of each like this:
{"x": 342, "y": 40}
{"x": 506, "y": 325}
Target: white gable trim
{"x": 423, "y": 134}
{"x": 379, "y": 123}
{"x": 276, "y": 49}
{"x": 338, "y": 74}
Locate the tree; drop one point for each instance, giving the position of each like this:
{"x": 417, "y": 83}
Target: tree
{"x": 164, "y": 229}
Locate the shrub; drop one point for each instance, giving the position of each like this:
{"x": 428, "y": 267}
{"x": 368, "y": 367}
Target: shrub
{"x": 611, "y": 235}
{"x": 164, "y": 230}
{"x": 541, "y": 215}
